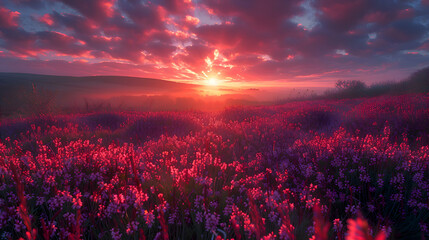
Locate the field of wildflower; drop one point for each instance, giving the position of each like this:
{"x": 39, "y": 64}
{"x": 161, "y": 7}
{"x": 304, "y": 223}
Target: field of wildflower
{"x": 331, "y": 169}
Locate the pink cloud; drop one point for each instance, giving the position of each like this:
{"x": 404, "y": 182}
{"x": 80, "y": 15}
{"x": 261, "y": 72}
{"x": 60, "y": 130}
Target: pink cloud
{"x": 192, "y": 20}
{"x": 46, "y": 19}
{"x": 8, "y": 18}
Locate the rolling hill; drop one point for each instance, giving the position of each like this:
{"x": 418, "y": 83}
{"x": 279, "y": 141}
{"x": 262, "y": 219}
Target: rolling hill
{"x": 16, "y": 90}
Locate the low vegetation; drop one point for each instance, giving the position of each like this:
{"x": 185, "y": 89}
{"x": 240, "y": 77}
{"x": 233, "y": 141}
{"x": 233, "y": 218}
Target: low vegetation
{"x": 418, "y": 82}
{"x": 325, "y": 169}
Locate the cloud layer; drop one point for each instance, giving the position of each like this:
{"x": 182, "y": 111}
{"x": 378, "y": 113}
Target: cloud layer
{"x": 235, "y": 40}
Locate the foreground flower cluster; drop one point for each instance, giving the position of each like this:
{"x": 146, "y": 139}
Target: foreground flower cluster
{"x": 351, "y": 169}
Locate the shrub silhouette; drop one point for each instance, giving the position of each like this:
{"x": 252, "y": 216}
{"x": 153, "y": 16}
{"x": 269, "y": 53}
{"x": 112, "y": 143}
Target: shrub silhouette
{"x": 417, "y": 82}
{"x": 350, "y": 89}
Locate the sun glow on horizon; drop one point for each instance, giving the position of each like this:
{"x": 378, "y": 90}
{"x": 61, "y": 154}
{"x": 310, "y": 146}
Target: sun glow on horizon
{"x": 212, "y": 81}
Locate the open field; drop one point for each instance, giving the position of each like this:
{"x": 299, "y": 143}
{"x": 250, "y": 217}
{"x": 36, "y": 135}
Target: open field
{"x": 293, "y": 171}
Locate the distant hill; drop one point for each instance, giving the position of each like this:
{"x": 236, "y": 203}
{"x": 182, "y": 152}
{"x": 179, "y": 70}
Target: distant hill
{"x": 16, "y": 89}
{"x": 92, "y": 84}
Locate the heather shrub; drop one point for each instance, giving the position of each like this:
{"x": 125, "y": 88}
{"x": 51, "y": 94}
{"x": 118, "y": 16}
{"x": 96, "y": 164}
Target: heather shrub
{"x": 244, "y": 114}
{"x": 14, "y": 128}
{"x": 405, "y": 115}
{"x": 109, "y": 121}
{"x": 315, "y": 119}
{"x": 155, "y": 125}
{"x": 238, "y": 114}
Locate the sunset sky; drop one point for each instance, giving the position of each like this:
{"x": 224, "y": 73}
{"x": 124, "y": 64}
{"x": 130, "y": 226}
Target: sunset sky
{"x": 272, "y": 42}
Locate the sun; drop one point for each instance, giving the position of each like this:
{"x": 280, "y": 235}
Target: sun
{"x": 212, "y": 81}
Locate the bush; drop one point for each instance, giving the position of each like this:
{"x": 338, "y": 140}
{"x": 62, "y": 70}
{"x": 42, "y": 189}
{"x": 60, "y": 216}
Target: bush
{"x": 350, "y": 89}
{"x": 418, "y": 82}
{"x": 350, "y": 85}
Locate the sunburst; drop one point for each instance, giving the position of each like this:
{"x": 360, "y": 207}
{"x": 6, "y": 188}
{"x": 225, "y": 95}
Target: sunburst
{"x": 212, "y": 81}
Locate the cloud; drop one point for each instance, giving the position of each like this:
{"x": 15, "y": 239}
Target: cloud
{"x": 145, "y": 16}
{"x": 344, "y": 16}
{"x": 18, "y": 41}
{"x": 8, "y": 18}
{"x": 160, "y": 49}
{"x": 261, "y": 15}
{"x": 46, "y": 19}
{"x": 59, "y": 42}
{"x": 341, "y": 15}
{"x": 92, "y": 9}
{"x": 192, "y": 20}
{"x": 176, "y": 6}
{"x": 404, "y": 31}
{"x": 36, "y": 4}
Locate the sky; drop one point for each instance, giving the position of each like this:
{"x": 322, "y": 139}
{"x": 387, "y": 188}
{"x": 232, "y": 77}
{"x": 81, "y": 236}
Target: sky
{"x": 295, "y": 43}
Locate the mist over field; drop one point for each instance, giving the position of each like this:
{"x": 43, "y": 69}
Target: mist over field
{"x": 106, "y": 93}
{"x": 62, "y": 94}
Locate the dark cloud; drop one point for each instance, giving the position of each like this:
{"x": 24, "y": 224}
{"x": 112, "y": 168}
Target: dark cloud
{"x": 176, "y": 6}
{"x": 341, "y": 15}
{"x": 404, "y": 31}
{"x": 37, "y": 4}
{"x": 261, "y": 15}
{"x": 18, "y": 41}
{"x": 59, "y": 42}
{"x": 160, "y": 49}
{"x": 344, "y": 16}
{"x": 81, "y": 26}
{"x": 146, "y": 16}
{"x": 92, "y": 9}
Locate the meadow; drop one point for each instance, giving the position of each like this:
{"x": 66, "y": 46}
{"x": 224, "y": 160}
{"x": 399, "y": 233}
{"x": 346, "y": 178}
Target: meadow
{"x": 321, "y": 169}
